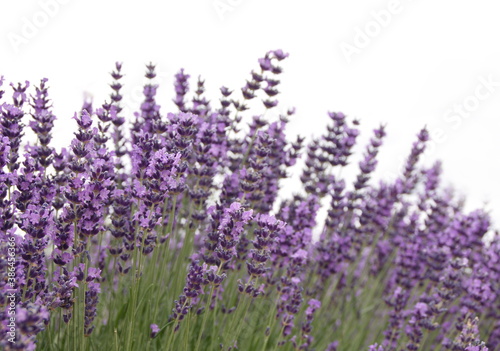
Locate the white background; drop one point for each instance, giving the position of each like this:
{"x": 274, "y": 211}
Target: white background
{"x": 404, "y": 63}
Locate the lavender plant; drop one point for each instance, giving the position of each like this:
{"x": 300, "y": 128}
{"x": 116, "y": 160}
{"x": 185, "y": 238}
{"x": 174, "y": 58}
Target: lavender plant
{"x": 172, "y": 234}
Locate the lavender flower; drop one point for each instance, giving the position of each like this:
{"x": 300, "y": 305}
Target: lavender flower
{"x": 313, "y": 306}
{"x": 181, "y": 89}
{"x": 468, "y": 339}
{"x": 195, "y": 281}
{"x": 230, "y": 229}
{"x": 97, "y": 235}
{"x": 91, "y": 298}
{"x": 154, "y": 330}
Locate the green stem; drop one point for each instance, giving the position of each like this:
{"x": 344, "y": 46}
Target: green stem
{"x": 171, "y": 338}
{"x": 271, "y": 323}
{"x": 165, "y": 252}
{"x": 205, "y": 317}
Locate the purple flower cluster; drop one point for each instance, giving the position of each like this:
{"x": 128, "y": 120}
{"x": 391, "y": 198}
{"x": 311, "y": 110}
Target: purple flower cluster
{"x": 184, "y": 212}
{"x": 195, "y": 281}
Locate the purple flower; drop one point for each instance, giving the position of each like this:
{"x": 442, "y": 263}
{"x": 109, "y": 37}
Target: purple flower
{"x": 306, "y": 329}
{"x": 409, "y": 180}
{"x": 199, "y": 179}
{"x": 265, "y": 239}
{"x": 280, "y": 55}
{"x": 300, "y": 254}
{"x": 469, "y": 337}
{"x": 376, "y": 347}
{"x": 181, "y": 89}
{"x": 195, "y": 281}
{"x": 154, "y": 330}
{"x": 91, "y": 301}
{"x": 313, "y": 306}
{"x": 231, "y": 227}
{"x": 265, "y": 63}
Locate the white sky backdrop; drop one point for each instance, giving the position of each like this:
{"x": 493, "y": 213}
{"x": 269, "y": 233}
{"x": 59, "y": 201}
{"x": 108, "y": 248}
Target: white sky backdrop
{"x": 411, "y": 68}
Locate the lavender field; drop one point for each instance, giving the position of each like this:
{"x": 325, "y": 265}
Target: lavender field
{"x": 166, "y": 230}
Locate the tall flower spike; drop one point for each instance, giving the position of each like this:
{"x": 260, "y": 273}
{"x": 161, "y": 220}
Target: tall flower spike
{"x": 195, "y": 281}
{"x": 91, "y": 298}
{"x": 312, "y": 306}
{"x": 468, "y": 340}
{"x": 42, "y": 124}
{"x": 181, "y": 89}
{"x": 369, "y": 162}
{"x": 12, "y": 128}
{"x": 19, "y": 96}
{"x": 410, "y": 178}
{"x": 231, "y": 227}
{"x": 201, "y": 106}
{"x": 265, "y": 240}
{"x": 117, "y": 134}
